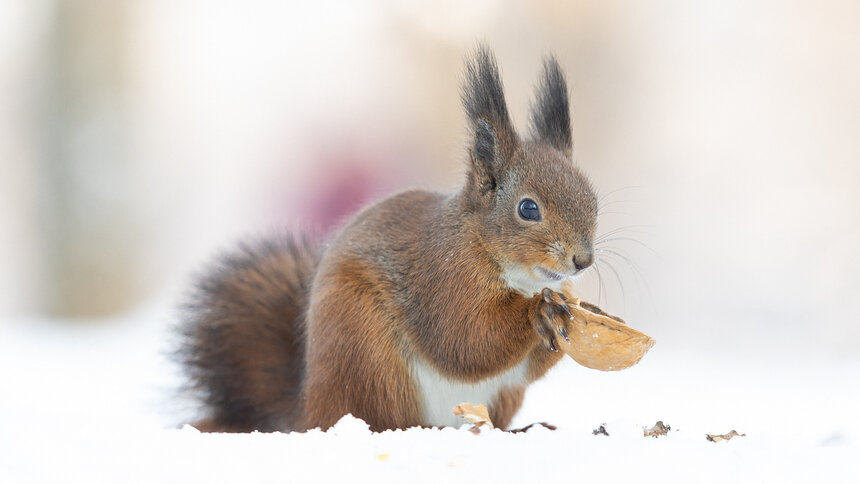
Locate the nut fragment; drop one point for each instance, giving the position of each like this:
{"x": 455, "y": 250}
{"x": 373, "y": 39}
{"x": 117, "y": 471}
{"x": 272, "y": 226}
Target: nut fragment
{"x": 601, "y": 341}
{"x": 657, "y": 430}
{"x": 475, "y": 414}
{"x": 719, "y": 437}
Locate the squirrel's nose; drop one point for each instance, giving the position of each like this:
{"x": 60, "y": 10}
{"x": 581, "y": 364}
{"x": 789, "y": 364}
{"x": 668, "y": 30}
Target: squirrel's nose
{"x": 582, "y": 261}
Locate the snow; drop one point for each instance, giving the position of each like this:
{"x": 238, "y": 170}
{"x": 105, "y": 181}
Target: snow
{"x": 96, "y": 401}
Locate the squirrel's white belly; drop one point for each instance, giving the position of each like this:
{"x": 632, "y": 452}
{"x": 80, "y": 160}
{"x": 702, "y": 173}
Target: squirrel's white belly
{"x": 439, "y": 395}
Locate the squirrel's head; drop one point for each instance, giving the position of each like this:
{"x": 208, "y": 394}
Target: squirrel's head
{"x": 536, "y": 211}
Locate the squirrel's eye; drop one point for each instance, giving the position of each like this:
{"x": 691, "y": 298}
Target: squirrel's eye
{"x": 528, "y": 210}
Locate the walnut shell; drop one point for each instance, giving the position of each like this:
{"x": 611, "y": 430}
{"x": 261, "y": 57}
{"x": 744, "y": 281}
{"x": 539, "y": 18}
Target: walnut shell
{"x": 602, "y": 342}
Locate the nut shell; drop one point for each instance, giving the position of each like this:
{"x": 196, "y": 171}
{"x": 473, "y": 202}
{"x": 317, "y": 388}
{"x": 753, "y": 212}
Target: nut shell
{"x": 600, "y": 342}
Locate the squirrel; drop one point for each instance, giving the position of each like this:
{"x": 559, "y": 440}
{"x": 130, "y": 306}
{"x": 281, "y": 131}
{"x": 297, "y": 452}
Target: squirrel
{"x": 420, "y": 302}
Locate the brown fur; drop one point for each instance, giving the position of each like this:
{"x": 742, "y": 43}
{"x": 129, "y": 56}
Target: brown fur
{"x": 417, "y": 275}
{"x": 244, "y": 339}
{"x": 505, "y": 406}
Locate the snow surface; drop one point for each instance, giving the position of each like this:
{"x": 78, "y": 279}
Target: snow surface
{"x": 96, "y": 402}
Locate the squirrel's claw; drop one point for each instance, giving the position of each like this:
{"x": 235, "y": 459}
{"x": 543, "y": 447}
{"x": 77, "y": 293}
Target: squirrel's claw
{"x": 566, "y": 310}
{"x": 563, "y": 333}
{"x": 557, "y": 299}
{"x": 545, "y": 328}
{"x": 553, "y": 318}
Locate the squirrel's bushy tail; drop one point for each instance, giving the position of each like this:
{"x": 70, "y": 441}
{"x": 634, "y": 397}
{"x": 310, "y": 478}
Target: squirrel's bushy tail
{"x": 244, "y": 336}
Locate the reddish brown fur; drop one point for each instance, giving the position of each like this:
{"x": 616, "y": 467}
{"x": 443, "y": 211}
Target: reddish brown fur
{"x": 505, "y": 406}
{"x": 417, "y": 275}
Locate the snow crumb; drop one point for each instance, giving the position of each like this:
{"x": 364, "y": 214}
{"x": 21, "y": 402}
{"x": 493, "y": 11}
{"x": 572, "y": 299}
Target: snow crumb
{"x": 349, "y": 426}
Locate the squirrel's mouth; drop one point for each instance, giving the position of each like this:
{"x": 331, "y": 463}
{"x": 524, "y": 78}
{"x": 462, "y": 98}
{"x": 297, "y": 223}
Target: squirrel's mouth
{"x": 551, "y": 275}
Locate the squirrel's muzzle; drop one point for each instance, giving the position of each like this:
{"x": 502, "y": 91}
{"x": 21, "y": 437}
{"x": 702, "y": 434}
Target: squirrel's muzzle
{"x": 583, "y": 260}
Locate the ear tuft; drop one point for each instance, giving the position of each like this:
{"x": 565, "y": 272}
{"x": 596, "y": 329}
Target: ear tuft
{"x": 551, "y": 110}
{"x": 484, "y": 99}
{"x": 495, "y": 140}
{"x": 482, "y": 92}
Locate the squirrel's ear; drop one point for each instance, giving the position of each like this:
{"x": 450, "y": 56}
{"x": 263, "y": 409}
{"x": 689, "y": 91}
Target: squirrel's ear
{"x": 494, "y": 138}
{"x": 484, "y": 159}
{"x": 551, "y": 111}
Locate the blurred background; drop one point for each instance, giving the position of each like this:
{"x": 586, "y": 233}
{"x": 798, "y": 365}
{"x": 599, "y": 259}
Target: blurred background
{"x": 138, "y": 139}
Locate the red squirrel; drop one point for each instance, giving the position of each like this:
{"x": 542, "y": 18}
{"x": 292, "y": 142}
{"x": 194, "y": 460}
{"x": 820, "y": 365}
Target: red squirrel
{"x": 420, "y": 302}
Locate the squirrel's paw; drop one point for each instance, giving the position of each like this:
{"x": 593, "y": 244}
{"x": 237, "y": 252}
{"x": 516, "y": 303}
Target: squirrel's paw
{"x": 553, "y": 318}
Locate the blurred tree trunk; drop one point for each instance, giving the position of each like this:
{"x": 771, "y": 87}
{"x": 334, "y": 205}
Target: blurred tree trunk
{"x": 86, "y": 216}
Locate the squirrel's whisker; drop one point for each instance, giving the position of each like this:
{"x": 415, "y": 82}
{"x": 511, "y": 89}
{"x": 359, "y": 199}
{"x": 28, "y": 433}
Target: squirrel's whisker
{"x": 612, "y": 192}
{"x": 599, "y": 243}
{"x": 628, "y": 228}
{"x": 620, "y": 282}
{"x": 601, "y": 205}
{"x": 600, "y": 287}
{"x": 633, "y": 266}
{"x": 637, "y": 272}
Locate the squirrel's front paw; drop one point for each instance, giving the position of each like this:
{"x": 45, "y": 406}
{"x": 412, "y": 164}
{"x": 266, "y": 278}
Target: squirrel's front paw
{"x": 552, "y": 318}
